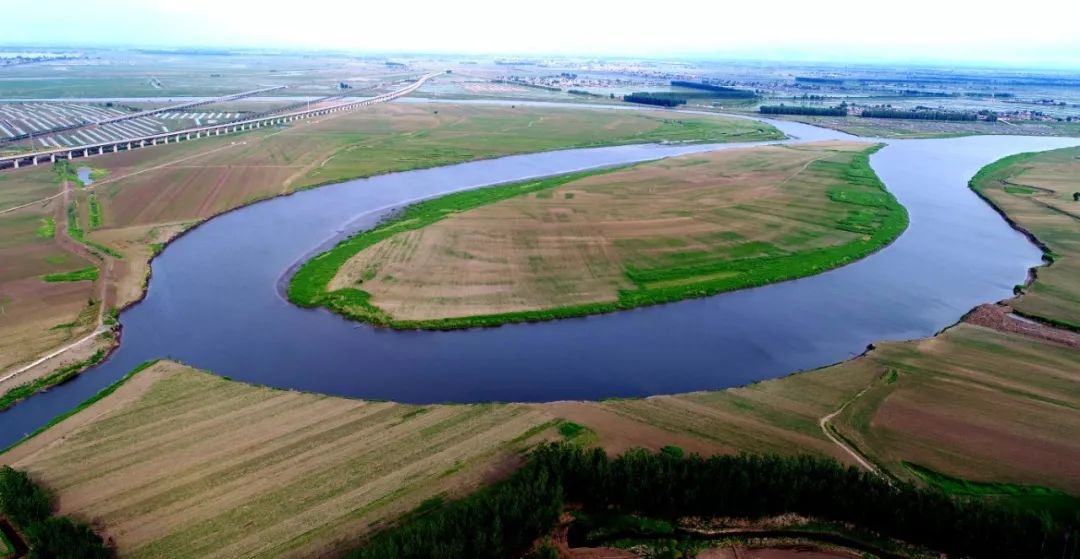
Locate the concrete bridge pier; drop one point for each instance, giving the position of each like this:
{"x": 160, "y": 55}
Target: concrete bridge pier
{"x": 16, "y": 162}
{"x": 100, "y": 150}
{"x": 35, "y": 160}
{"x": 52, "y": 158}
{"x": 86, "y": 152}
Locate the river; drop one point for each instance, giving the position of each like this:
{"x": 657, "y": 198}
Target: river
{"x": 216, "y": 300}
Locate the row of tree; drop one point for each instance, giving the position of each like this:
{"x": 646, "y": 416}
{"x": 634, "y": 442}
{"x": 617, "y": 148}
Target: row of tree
{"x": 29, "y": 508}
{"x": 920, "y": 115}
{"x": 658, "y": 99}
{"x": 716, "y": 90}
{"x": 504, "y": 519}
{"x": 782, "y": 109}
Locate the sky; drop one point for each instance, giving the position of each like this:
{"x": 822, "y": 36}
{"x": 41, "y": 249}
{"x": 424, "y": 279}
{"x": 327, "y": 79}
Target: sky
{"x": 988, "y": 32}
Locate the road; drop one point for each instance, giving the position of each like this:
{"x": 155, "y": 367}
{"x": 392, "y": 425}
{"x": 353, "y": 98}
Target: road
{"x": 127, "y": 144}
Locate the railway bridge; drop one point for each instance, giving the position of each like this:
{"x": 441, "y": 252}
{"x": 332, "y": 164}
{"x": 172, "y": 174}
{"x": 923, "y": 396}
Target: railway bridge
{"x": 127, "y": 144}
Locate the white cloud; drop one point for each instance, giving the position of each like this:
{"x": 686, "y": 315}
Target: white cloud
{"x": 990, "y": 31}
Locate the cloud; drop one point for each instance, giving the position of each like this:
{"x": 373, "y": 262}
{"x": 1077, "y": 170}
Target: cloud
{"x": 985, "y": 32}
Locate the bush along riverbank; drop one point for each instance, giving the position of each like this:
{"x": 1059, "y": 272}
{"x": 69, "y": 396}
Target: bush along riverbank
{"x": 504, "y": 519}
{"x": 29, "y": 508}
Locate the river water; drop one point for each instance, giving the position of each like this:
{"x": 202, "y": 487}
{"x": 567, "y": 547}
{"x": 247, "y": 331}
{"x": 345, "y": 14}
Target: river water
{"x": 216, "y": 297}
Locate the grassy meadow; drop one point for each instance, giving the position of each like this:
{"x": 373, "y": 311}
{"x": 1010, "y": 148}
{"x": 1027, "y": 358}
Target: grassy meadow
{"x": 682, "y": 227}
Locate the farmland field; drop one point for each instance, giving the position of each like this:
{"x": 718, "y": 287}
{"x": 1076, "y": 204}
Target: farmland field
{"x": 36, "y": 315}
{"x": 150, "y": 195}
{"x": 279, "y": 473}
{"x": 600, "y": 241}
{"x": 256, "y": 472}
{"x": 1037, "y": 191}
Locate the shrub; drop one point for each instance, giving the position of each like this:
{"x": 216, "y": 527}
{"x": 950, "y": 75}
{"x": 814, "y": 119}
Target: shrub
{"x": 62, "y": 538}
{"x": 21, "y": 500}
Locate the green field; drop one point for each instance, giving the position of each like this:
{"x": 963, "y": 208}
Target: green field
{"x": 1036, "y": 191}
{"x": 90, "y": 273}
{"x": 656, "y": 232}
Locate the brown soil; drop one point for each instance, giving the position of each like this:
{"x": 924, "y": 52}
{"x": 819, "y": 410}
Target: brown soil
{"x": 573, "y": 244}
{"x": 999, "y": 317}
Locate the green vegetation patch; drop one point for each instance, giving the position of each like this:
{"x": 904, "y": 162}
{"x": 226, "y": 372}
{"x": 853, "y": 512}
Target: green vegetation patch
{"x": 94, "y": 209}
{"x": 30, "y": 507}
{"x": 957, "y": 486}
{"x": 65, "y": 171}
{"x": 90, "y": 273}
{"x": 642, "y": 493}
{"x": 76, "y": 232}
{"x": 59, "y": 376}
{"x": 47, "y": 229}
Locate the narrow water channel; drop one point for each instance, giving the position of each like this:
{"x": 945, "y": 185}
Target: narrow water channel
{"x": 215, "y": 300}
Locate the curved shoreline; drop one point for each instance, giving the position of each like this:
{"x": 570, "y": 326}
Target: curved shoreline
{"x": 308, "y": 282}
{"x": 1047, "y": 253}
{"x": 117, "y": 328}
{"x": 392, "y": 382}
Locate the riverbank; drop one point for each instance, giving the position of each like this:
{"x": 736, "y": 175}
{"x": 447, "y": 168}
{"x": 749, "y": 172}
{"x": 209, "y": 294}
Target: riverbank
{"x": 599, "y": 242}
{"x": 152, "y": 196}
{"x": 347, "y": 467}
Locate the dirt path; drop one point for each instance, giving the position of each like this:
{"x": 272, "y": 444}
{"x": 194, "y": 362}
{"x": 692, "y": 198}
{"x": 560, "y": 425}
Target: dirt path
{"x": 89, "y": 337}
{"x": 850, "y": 450}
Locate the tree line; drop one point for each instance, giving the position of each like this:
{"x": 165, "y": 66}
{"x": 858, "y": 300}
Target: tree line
{"x": 920, "y": 115}
{"x": 658, "y": 99}
{"x": 29, "y": 508}
{"x": 503, "y": 520}
{"x": 716, "y": 90}
{"x": 782, "y": 109}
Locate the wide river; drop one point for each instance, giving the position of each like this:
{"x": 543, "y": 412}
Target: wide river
{"x": 216, "y": 297}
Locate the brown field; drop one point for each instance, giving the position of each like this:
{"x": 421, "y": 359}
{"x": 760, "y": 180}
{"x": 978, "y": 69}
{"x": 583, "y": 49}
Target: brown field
{"x": 571, "y": 245}
{"x": 152, "y": 194}
{"x": 29, "y": 307}
{"x": 1037, "y": 192}
{"x": 944, "y": 410}
{"x": 182, "y": 460}
{"x": 181, "y": 463}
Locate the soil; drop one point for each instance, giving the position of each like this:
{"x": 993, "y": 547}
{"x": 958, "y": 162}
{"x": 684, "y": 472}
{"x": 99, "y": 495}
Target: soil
{"x": 999, "y": 317}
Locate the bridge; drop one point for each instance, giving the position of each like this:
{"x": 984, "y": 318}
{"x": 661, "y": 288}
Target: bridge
{"x": 189, "y": 105}
{"x": 164, "y": 138}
